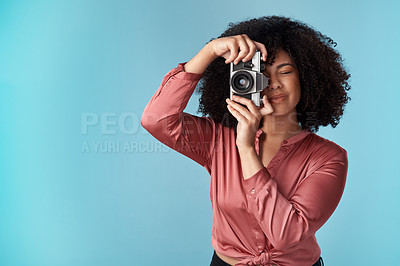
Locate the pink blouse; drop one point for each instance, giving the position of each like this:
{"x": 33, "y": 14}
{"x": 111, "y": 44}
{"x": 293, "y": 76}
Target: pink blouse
{"x": 270, "y": 218}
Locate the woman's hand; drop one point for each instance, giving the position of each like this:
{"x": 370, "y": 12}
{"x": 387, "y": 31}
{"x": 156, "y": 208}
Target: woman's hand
{"x": 232, "y": 48}
{"x": 248, "y": 119}
{"x": 236, "y": 48}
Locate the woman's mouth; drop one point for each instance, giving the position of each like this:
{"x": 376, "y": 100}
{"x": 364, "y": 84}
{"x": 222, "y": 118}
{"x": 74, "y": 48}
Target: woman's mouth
{"x": 278, "y": 99}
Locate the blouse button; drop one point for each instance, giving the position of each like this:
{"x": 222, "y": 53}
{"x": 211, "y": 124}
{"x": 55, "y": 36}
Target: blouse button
{"x": 284, "y": 150}
{"x": 253, "y": 191}
{"x": 284, "y": 142}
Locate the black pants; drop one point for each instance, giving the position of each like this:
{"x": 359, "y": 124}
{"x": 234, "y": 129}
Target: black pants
{"x": 217, "y": 261}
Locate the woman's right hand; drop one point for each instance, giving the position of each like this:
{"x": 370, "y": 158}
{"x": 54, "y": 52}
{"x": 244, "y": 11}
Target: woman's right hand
{"x": 236, "y": 48}
{"x": 232, "y": 48}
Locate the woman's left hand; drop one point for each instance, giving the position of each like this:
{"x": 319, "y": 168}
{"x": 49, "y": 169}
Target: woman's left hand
{"x": 248, "y": 119}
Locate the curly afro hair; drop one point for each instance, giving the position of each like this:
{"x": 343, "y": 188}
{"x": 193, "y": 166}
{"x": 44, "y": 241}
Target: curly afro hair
{"x": 323, "y": 79}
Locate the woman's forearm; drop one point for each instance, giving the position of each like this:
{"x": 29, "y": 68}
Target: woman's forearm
{"x": 250, "y": 161}
{"x": 200, "y": 61}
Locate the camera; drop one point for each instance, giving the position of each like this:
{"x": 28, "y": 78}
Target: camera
{"x": 247, "y": 79}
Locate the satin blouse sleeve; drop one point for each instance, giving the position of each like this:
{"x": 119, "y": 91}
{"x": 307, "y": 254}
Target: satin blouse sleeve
{"x": 164, "y": 119}
{"x": 287, "y": 221}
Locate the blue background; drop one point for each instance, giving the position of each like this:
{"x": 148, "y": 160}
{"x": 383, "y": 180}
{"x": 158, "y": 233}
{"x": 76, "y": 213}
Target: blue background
{"x": 76, "y": 74}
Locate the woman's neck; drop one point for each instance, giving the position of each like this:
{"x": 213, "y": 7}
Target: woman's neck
{"x": 279, "y": 128}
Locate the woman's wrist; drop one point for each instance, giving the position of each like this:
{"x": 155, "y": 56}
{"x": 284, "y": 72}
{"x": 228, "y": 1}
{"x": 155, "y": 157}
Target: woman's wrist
{"x": 200, "y": 61}
{"x": 250, "y": 161}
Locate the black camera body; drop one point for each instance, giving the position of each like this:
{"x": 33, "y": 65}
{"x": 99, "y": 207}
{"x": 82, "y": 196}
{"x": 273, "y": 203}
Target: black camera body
{"x": 247, "y": 79}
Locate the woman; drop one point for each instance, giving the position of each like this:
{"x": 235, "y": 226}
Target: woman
{"x": 274, "y": 182}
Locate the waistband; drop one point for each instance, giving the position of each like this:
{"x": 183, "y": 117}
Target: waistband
{"x": 259, "y": 260}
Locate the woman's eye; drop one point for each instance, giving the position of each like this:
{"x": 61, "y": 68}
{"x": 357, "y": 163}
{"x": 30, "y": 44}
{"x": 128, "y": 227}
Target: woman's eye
{"x": 287, "y": 72}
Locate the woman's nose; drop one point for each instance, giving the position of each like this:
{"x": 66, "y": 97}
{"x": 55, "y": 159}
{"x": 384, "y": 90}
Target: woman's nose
{"x": 274, "y": 84}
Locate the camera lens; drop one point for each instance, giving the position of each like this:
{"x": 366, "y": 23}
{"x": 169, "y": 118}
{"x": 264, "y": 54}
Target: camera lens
{"x": 242, "y": 81}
